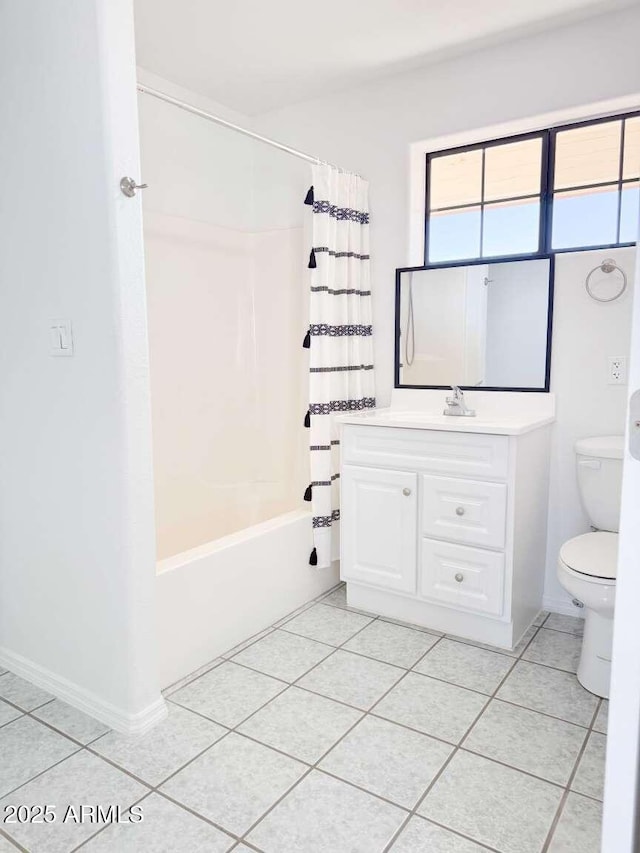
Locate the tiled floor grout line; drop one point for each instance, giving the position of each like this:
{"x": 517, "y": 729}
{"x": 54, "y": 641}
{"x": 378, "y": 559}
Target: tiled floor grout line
{"x": 42, "y": 772}
{"x": 150, "y": 788}
{"x": 363, "y": 713}
{"x": 22, "y": 710}
{"x": 245, "y": 644}
{"x": 450, "y": 637}
{"x": 531, "y": 775}
{"x": 537, "y": 711}
{"x": 107, "y": 825}
{"x": 166, "y": 796}
{"x": 189, "y": 679}
{"x": 457, "y": 746}
{"x": 316, "y": 767}
{"x": 569, "y": 633}
{"x": 231, "y": 653}
{"x": 287, "y": 685}
{"x": 235, "y": 729}
{"x": 568, "y": 790}
{"x": 3, "y": 834}
{"x": 333, "y": 649}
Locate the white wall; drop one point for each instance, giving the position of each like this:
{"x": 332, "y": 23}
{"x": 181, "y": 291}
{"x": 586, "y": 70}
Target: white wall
{"x": 226, "y": 284}
{"x": 76, "y": 506}
{"x": 369, "y": 129}
{"x": 585, "y": 334}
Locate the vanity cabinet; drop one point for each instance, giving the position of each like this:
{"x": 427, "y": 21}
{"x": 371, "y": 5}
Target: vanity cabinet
{"x": 446, "y": 528}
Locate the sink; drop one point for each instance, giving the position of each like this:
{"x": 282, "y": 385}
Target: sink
{"x": 509, "y": 423}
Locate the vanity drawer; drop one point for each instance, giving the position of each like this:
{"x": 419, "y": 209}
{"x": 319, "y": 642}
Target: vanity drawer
{"x": 466, "y": 511}
{"x": 457, "y": 453}
{"x": 463, "y": 576}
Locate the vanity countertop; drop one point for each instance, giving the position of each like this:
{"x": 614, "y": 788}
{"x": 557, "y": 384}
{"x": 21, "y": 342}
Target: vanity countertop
{"x": 507, "y": 423}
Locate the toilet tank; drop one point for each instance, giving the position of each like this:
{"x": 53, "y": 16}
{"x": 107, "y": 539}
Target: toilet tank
{"x": 599, "y": 463}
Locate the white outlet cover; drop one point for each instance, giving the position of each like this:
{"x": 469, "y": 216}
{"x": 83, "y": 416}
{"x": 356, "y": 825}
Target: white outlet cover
{"x": 617, "y": 370}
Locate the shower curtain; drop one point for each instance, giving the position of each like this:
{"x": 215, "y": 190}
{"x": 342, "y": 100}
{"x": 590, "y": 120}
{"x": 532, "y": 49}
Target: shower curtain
{"x": 341, "y": 377}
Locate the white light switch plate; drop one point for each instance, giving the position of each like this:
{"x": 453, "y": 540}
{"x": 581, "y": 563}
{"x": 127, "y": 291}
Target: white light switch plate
{"x": 60, "y": 337}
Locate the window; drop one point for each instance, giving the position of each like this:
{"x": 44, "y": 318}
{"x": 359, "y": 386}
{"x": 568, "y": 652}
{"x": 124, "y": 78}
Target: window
{"x": 575, "y": 187}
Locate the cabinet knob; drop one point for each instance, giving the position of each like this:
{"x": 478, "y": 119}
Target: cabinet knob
{"x": 406, "y": 492}
{"x": 459, "y": 510}
{"x": 459, "y": 577}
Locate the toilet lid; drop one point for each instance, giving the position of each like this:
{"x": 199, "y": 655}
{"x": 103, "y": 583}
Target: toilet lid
{"x": 594, "y": 554}
{"x": 601, "y": 447}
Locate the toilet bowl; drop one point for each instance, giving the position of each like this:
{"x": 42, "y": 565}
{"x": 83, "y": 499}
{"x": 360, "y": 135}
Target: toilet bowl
{"x": 587, "y": 570}
{"x": 587, "y": 564}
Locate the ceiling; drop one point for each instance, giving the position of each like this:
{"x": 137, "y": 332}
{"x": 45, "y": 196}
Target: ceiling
{"x": 254, "y": 56}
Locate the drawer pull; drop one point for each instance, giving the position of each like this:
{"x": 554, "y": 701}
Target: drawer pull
{"x": 459, "y": 577}
{"x": 459, "y": 510}
{"x": 406, "y": 492}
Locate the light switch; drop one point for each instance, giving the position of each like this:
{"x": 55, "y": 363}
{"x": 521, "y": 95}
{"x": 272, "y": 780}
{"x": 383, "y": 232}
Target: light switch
{"x": 60, "y": 338}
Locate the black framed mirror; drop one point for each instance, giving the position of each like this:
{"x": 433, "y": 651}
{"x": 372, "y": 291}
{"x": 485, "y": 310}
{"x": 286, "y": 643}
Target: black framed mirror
{"x": 480, "y": 325}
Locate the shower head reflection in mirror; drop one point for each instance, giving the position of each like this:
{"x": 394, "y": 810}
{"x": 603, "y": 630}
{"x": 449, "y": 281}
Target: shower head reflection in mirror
{"x": 484, "y": 325}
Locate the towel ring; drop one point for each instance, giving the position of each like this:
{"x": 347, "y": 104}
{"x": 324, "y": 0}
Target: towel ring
{"x": 607, "y": 266}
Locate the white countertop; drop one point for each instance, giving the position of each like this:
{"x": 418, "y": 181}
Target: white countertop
{"x": 507, "y": 423}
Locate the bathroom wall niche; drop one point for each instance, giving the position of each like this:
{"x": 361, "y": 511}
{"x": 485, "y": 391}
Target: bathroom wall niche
{"x": 479, "y": 325}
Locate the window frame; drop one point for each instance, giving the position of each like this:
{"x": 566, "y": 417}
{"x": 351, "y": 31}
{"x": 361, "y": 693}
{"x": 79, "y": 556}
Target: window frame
{"x": 547, "y": 169}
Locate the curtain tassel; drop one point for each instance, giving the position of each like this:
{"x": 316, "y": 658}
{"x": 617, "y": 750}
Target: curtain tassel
{"x": 312, "y": 260}
{"x": 306, "y": 343}
{"x": 308, "y": 199}
{"x": 307, "y": 420}
{"x": 313, "y": 558}
{"x": 307, "y": 493}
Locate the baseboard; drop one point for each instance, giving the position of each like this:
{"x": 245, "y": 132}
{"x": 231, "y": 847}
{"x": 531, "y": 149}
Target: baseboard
{"x": 562, "y": 605}
{"x": 85, "y": 700}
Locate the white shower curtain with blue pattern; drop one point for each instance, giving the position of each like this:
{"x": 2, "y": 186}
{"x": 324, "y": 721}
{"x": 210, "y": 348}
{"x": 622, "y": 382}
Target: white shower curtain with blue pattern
{"x": 341, "y": 375}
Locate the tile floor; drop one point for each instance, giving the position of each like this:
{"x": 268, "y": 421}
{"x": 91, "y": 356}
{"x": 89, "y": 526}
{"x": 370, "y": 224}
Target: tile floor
{"x": 331, "y": 732}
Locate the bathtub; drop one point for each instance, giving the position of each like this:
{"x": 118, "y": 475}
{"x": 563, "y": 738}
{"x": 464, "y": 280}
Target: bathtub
{"x": 212, "y": 597}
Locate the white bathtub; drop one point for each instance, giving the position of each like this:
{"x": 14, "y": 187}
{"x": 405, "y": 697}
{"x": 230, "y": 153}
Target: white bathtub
{"x": 212, "y": 597}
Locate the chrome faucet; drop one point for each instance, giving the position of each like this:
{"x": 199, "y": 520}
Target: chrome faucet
{"x": 456, "y": 405}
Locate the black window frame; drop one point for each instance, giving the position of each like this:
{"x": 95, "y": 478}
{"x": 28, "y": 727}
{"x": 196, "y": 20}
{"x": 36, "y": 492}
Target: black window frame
{"x": 547, "y": 164}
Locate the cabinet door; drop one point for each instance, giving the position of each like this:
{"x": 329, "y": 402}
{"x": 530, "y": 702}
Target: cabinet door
{"x": 378, "y": 527}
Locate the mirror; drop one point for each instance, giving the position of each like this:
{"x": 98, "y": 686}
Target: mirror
{"x": 480, "y": 325}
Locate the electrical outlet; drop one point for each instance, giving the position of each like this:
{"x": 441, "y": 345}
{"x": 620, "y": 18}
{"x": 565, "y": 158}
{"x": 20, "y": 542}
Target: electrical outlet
{"x": 617, "y": 370}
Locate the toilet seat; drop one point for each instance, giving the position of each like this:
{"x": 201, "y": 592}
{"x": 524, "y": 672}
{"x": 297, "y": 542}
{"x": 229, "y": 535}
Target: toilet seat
{"x": 592, "y": 554}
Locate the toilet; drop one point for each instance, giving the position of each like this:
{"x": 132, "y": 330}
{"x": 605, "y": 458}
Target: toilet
{"x": 587, "y": 564}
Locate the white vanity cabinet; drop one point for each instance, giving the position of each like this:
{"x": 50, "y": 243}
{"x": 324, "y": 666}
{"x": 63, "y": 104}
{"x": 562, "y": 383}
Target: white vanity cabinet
{"x": 446, "y": 528}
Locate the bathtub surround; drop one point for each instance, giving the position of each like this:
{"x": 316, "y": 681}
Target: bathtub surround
{"x": 226, "y": 301}
{"x": 340, "y": 341}
{"x": 227, "y": 298}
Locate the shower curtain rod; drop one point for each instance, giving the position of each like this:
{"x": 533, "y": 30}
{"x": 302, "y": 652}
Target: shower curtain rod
{"x": 155, "y": 93}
